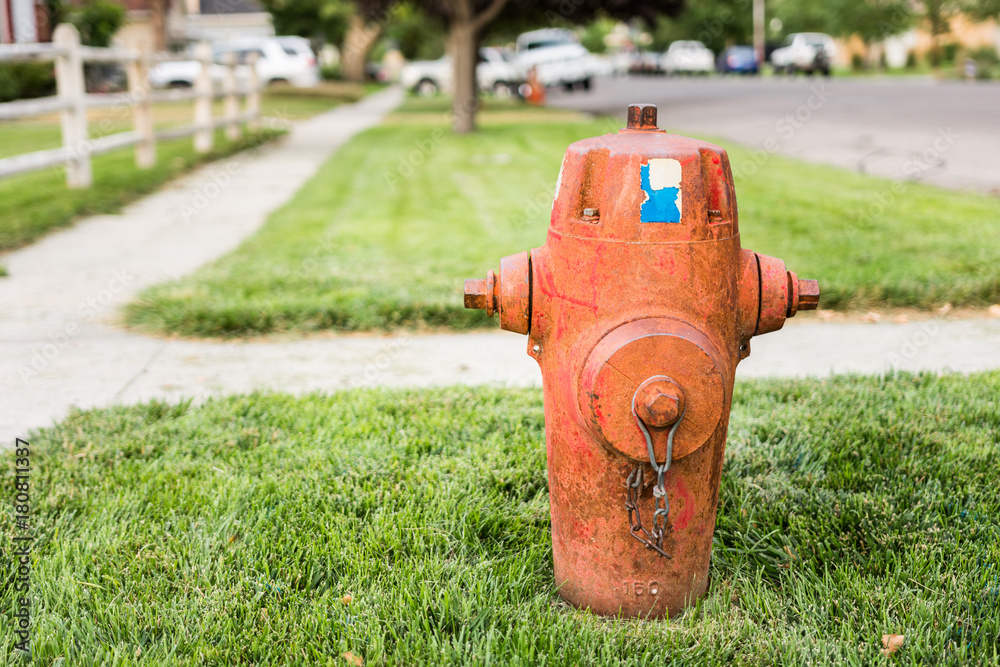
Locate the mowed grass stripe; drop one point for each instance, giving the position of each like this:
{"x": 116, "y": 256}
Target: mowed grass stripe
{"x": 389, "y": 228}
{"x": 230, "y": 533}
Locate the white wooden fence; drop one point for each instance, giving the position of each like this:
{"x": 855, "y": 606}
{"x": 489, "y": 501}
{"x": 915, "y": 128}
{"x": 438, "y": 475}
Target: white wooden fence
{"x": 72, "y": 101}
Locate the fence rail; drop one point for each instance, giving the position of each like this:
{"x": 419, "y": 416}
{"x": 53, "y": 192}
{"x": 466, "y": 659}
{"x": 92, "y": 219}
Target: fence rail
{"x": 72, "y": 103}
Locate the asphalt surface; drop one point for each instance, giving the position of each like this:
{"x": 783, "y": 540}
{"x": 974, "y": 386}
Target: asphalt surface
{"x": 944, "y": 133}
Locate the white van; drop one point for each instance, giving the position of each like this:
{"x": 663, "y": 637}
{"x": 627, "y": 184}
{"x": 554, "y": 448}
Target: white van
{"x": 805, "y": 52}
{"x": 558, "y": 58}
{"x": 495, "y": 72}
{"x": 279, "y": 60}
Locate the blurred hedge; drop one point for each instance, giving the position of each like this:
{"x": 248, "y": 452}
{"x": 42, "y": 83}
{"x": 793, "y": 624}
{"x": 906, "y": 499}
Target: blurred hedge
{"x": 24, "y": 80}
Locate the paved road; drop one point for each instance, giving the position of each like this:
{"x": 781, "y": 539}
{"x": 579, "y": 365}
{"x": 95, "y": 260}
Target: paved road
{"x": 945, "y": 133}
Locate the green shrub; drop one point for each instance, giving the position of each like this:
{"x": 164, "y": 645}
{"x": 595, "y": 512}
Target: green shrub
{"x": 331, "y": 73}
{"x": 949, "y": 52}
{"x": 988, "y": 72}
{"x": 25, "y": 80}
{"x": 985, "y": 55}
{"x": 98, "y": 21}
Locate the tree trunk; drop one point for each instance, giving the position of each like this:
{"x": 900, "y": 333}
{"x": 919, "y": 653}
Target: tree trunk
{"x": 464, "y": 46}
{"x": 158, "y": 24}
{"x": 939, "y": 26}
{"x": 358, "y": 43}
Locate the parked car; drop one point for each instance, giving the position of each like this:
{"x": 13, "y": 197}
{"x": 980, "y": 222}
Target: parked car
{"x": 645, "y": 62}
{"x": 557, "y": 57}
{"x": 182, "y": 74}
{"x": 688, "y": 57}
{"x": 737, "y": 60}
{"x": 279, "y": 60}
{"x": 804, "y": 52}
{"x": 496, "y": 71}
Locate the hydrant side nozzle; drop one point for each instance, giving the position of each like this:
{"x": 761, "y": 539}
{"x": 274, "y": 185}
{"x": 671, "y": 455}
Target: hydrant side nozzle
{"x": 514, "y": 293}
{"x": 749, "y": 299}
{"x": 509, "y": 294}
{"x": 803, "y": 294}
{"x": 782, "y": 294}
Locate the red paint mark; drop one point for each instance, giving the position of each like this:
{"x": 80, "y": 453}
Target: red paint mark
{"x": 715, "y": 159}
{"x": 548, "y": 289}
{"x": 687, "y": 510}
{"x": 577, "y": 302}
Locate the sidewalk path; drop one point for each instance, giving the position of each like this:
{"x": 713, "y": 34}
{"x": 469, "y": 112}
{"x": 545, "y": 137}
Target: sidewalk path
{"x": 62, "y": 349}
{"x": 57, "y": 346}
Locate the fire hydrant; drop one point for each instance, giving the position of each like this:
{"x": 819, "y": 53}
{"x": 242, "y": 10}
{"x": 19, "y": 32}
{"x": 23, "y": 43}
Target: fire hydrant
{"x": 638, "y": 308}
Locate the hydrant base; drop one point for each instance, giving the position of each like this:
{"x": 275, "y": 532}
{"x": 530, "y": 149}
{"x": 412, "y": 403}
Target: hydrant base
{"x": 666, "y": 608}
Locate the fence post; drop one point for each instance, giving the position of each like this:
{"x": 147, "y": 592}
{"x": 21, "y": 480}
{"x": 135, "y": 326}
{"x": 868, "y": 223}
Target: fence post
{"x": 253, "y": 94}
{"x": 142, "y": 110}
{"x": 70, "y": 86}
{"x": 231, "y": 105}
{"x": 204, "y": 137}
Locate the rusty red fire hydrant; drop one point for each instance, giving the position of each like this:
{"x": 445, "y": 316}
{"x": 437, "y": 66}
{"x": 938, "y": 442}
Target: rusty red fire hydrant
{"x": 638, "y": 308}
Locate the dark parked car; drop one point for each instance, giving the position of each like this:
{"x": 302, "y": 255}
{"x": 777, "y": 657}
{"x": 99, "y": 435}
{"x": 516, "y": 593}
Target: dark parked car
{"x": 644, "y": 62}
{"x": 737, "y": 60}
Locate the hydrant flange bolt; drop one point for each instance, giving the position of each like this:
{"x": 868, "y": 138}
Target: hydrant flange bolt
{"x": 508, "y": 294}
{"x": 659, "y": 402}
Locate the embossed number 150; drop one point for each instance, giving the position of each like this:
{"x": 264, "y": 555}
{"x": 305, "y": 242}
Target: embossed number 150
{"x": 641, "y": 587}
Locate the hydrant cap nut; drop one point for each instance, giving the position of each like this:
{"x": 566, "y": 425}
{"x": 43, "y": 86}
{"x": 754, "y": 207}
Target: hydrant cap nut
{"x": 475, "y": 294}
{"x": 808, "y": 294}
{"x": 660, "y": 402}
{"x": 642, "y": 117}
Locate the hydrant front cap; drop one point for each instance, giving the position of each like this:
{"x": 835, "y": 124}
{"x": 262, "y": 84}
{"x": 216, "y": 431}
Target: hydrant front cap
{"x": 636, "y": 355}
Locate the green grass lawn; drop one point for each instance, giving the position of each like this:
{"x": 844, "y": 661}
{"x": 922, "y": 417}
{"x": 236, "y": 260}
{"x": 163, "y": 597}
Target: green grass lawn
{"x": 385, "y": 233}
{"x": 230, "y": 533}
{"x": 33, "y": 204}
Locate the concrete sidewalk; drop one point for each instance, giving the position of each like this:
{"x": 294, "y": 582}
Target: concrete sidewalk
{"x": 64, "y": 291}
{"x": 104, "y": 365}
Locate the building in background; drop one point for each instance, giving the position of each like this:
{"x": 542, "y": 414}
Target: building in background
{"x": 896, "y": 50}
{"x": 164, "y": 24}
{"x": 23, "y": 21}
{"x": 216, "y": 20}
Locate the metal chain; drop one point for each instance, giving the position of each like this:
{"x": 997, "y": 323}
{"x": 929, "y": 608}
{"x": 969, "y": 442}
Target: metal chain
{"x": 652, "y": 538}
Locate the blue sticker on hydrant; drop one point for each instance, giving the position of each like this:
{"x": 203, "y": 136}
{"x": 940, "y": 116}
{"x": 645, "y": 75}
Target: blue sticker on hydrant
{"x": 660, "y": 180}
